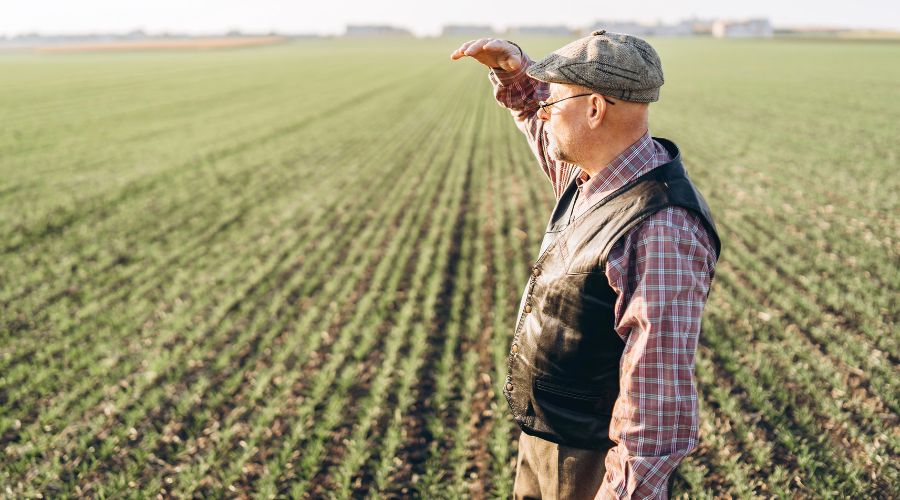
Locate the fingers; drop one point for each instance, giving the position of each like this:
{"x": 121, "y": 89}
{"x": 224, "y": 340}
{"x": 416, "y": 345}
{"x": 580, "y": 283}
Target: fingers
{"x": 476, "y": 46}
{"x": 469, "y": 48}
{"x": 461, "y": 51}
{"x": 495, "y": 44}
{"x": 491, "y": 52}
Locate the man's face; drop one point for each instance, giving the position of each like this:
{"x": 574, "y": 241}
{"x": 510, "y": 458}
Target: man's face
{"x": 562, "y": 121}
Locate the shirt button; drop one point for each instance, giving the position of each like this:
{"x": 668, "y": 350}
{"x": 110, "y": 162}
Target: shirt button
{"x": 515, "y": 348}
{"x": 508, "y": 387}
{"x": 527, "y": 309}
{"x": 536, "y": 271}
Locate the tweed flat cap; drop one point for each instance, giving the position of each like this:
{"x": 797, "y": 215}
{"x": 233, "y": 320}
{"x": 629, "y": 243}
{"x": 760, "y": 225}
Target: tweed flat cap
{"x": 613, "y": 64}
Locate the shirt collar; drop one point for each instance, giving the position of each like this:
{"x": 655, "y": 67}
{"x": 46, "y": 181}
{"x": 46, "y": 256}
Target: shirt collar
{"x": 643, "y": 155}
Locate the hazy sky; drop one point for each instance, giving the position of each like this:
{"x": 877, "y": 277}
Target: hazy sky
{"x": 422, "y": 17}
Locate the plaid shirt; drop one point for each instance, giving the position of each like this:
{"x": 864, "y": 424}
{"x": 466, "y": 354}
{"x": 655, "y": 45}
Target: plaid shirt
{"x": 661, "y": 271}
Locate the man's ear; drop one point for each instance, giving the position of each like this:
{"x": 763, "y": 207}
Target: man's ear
{"x": 596, "y": 110}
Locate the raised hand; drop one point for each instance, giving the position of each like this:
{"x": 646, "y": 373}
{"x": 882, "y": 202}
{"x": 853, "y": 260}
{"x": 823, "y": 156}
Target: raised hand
{"x": 492, "y": 52}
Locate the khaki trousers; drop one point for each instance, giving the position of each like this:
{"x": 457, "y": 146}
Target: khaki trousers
{"x": 551, "y": 471}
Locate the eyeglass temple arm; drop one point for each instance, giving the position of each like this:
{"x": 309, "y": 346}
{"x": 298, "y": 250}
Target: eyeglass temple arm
{"x": 542, "y": 106}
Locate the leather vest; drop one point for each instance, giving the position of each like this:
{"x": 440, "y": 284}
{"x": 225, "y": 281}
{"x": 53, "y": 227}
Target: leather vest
{"x": 563, "y": 366}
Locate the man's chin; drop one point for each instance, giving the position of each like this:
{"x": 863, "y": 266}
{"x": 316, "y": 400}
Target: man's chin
{"x": 558, "y": 155}
{"x": 555, "y": 152}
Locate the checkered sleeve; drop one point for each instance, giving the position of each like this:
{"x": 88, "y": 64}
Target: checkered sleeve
{"x": 520, "y": 93}
{"x": 662, "y": 271}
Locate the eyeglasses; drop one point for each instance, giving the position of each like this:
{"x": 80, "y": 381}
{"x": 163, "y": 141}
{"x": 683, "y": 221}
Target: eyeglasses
{"x": 543, "y": 104}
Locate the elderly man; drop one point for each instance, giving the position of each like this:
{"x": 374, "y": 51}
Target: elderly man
{"x": 600, "y": 372}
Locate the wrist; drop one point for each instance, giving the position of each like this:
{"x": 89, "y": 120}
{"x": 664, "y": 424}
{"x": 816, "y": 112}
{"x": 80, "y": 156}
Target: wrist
{"x": 521, "y": 52}
{"x": 506, "y": 76}
{"x": 521, "y": 58}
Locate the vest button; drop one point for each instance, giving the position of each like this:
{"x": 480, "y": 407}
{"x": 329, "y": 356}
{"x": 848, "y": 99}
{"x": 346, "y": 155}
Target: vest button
{"x": 527, "y": 309}
{"x": 509, "y": 387}
{"x": 515, "y": 348}
{"x": 536, "y": 271}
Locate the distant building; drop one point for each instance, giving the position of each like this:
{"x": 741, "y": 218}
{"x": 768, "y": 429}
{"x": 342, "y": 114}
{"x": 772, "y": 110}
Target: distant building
{"x": 373, "y": 30}
{"x": 540, "y": 31}
{"x": 702, "y": 27}
{"x": 750, "y": 28}
{"x": 30, "y": 40}
{"x": 467, "y": 30}
{"x": 684, "y": 28}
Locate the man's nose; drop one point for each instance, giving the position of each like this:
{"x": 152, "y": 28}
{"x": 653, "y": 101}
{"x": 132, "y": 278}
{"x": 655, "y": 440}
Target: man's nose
{"x": 543, "y": 114}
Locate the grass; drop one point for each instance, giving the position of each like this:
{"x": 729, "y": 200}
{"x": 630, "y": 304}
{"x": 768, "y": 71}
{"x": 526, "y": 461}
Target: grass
{"x": 293, "y": 270}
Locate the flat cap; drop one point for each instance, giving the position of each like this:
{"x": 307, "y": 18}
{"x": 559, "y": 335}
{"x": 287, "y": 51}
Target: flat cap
{"x": 612, "y": 64}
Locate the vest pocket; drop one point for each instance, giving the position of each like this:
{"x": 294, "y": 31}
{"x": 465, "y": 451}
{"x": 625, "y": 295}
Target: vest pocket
{"x": 556, "y": 398}
{"x": 571, "y": 414}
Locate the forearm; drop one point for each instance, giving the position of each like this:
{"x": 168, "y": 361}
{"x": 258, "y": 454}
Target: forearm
{"x": 662, "y": 272}
{"x": 642, "y": 477}
{"x": 654, "y": 429}
{"x": 520, "y": 93}
{"x": 655, "y": 419}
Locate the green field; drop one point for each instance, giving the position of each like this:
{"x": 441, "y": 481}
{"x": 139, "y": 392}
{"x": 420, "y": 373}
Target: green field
{"x": 294, "y": 270}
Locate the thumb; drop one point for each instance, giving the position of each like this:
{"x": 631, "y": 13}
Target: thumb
{"x": 510, "y": 55}
{"x": 514, "y": 62}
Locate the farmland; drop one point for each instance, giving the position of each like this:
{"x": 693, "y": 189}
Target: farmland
{"x": 293, "y": 270}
